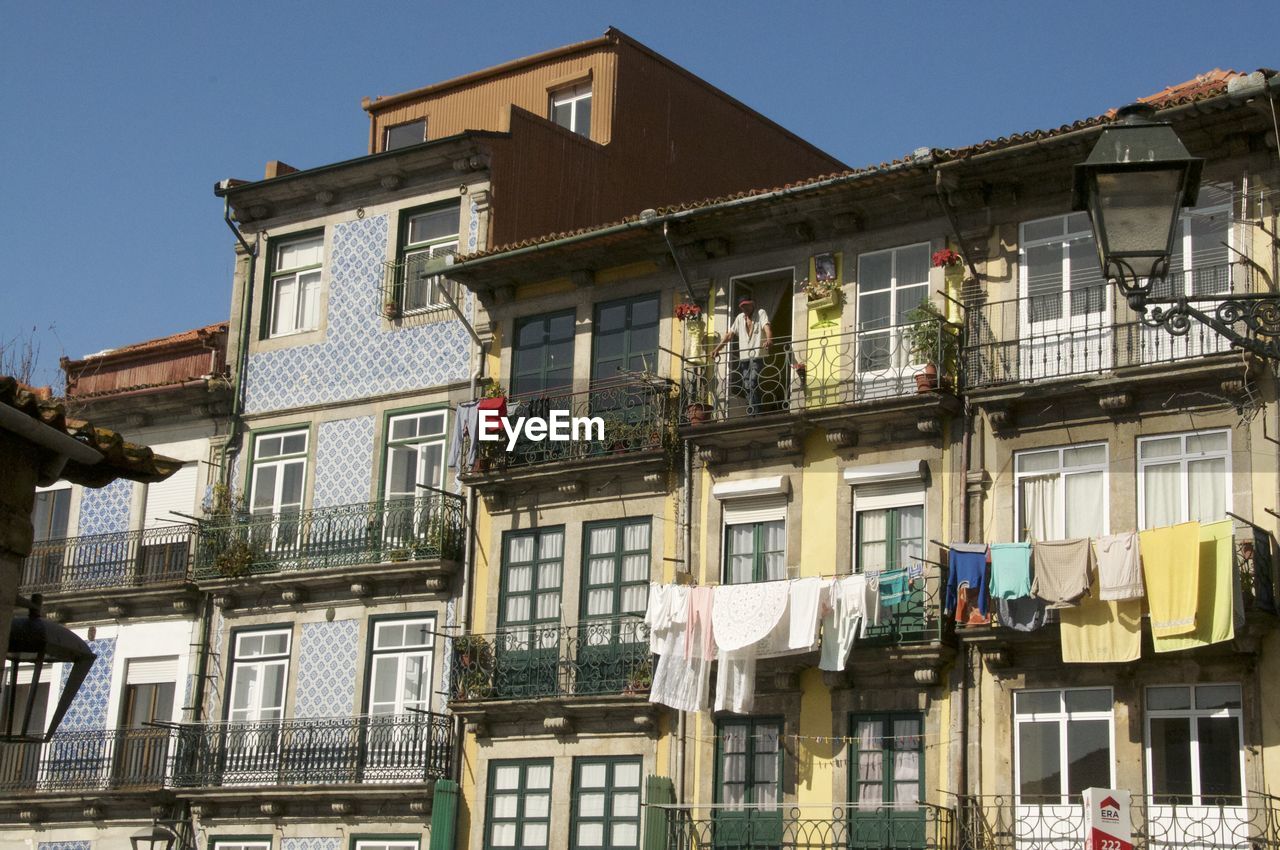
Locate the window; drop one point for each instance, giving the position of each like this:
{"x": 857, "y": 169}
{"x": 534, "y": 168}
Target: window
{"x": 571, "y": 108}
{"x": 615, "y": 577}
{"x": 403, "y": 135}
{"x": 624, "y": 338}
{"x": 519, "y": 804}
{"x": 891, "y": 284}
{"x": 51, "y": 513}
{"x": 259, "y": 670}
{"x": 889, "y": 538}
{"x": 542, "y": 353}
{"x": 1201, "y": 255}
{"x": 1184, "y": 477}
{"x": 748, "y": 782}
{"x": 415, "y": 453}
{"x": 1062, "y": 743}
{"x": 142, "y": 750}
{"x": 755, "y": 539}
{"x": 400, "y": 667}
{"x": 1195, "y": 751}
{"x": 531, "y": 571}
{"x": 1063, "y": 314}
{"x": 295, "y": 286}
{"x": 887, "y": 760}
{"x": 425, "y": 235}
{"x": 386, "y": 844}
{"x": 606, "y": 803}
{"x": 216, "y": 843}
{"x": 279, "y": 473}
{"x": 1061, "y": 492}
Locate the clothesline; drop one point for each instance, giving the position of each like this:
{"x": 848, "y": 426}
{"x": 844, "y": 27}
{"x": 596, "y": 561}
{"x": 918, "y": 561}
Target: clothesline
{"x": 693, "y": 582}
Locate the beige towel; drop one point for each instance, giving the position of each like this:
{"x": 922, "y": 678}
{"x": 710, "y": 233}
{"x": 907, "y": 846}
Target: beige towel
{"x": 1062, "y": 569}
{"x": 1099, "y": 631}
{"x": 1215, "y": 621}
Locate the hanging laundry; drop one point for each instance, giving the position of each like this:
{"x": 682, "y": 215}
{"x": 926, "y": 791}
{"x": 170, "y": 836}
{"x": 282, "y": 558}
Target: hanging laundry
{"x": 808, "y": 598}
{"x": 1215, "y": 592}
{"x": 1264, "y": 597}
{"x": 1171, "y": 572}
{"x": 736, "y": 681}
{"x": 1119, "y": 566}
{"x": 667, "y": 602}
{"x": 1099, "y": 631}
{"x": 749, "y": 620}
{"x": 465, "y": 423}
{"x": 967, "y": 569}
{"x": 1010, "y": 570}
{"x": 1062, "y": 569}
{"x": 699, "y": 635}
{"x": 1024, "y": 614}
{"x": 498, "y": 407}
{"x": 895, "y": 588}
{"x": 855, "y": 603}
{"x": 678, "y": 682}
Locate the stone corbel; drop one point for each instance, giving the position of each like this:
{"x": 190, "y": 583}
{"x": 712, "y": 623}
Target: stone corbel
{"x": 341, "y": 807}
{"x": 324, "y": 197}
{"x": 421, "y": 806}
{"x": 93, "y": 811}
{"x": 361, "y": 589}
{"x": 842, "y": 438}
{"x": 435, "y": 584}
{"x": 391, "y": 182}
{"x": 925, "y": 676}
{"x": 478, "y": 728}
{"x": 930, "y": 425}
{"x": 1000, "y": 416}
{"x": 557, "y": 725}
{"x": 1115, "y": 402}
{"x": 117, "y": 610}
{"x": 204, "y": 810}
{"x": 271, "y": 809}
{"x": 494, "y": 500}
{"x": 183, "y": 605}
{"x": 709, "y": 455}
{"x": 293, "y": 595}
{"x": 572, "y": 488}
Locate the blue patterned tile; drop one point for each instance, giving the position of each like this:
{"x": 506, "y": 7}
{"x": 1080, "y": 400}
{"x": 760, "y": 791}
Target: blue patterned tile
{"x": 326, "y": 683}
{"x": 105, "y": 510}
{"x": 89, "y": 709}
{"x": 326, "y": 843}
{"x": 358, "y": 358}
{"x": 344, "y": 462}
{"x": 64, "y": 845}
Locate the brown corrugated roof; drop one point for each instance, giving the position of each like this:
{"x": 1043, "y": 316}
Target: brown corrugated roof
{"x": 120, "y": 459}
{"x": 1202, "y": 87}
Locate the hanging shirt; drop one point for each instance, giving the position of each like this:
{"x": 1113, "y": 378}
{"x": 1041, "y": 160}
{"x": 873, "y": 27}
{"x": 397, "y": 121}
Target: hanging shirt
{"x": 1024, "y": 614}
{"x": 1010, "y": 570}
{"x": 1063, "y": 569}
{"x": 855, "y": 604}
{"x": 1119, "y": 567}
{"x": 1098, "y": 631}
{"x": 808, "y": 598}
{"x": 699, "y": 630}
{"x": 894, "y": 587}
{"x": 967, "y": 566}
{"x": 465, "y": 422}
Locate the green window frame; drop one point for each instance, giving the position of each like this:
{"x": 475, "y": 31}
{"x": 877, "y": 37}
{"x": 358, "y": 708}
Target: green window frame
{"x": 624, "y": 338}
{"x": 293, "y": 276}
{"x": 743, "y": 764}
{"x": 606, "y": 803}
{"x": 542, "y": 352}
{"x": 616, "y": 560}
{"x": 760, "y": 547}
{"x": 533, "y": 577}
{"x": 518, "y": 804}
{"x": 880, "y": 746}
{"x": 425, "y": 233}
{"x": 897, "y": 549}
{"x": 421, "y": 436}
{"x": 406, "y": 841}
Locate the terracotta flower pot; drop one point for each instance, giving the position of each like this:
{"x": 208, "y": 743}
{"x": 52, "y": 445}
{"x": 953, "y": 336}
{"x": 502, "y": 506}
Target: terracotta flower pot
{"x": 697, "y": 413}
{"x": 927, "y": 378}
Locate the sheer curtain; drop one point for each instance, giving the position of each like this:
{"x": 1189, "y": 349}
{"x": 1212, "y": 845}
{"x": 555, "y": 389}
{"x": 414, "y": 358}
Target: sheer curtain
{"x": 1162, "y": 491}
{"x": 1207, "y": 489}
{"x": 906, "y": 762}
{"x": 873, "y": 532}
{"x": 775, "y": 556}
{"x": 741, "y": 553}
{"x": 1084, "y": 497}
{"x": 870, "y": 764}
{"x": 1040, "y": 508}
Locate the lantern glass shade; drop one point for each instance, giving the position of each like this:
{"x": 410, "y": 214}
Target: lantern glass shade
{"x": 35, "y": 645}
{"x": 153, "y": 838}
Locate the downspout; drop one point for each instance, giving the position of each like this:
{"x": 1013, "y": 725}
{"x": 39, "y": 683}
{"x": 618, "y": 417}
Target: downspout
{"x": 682, "y": 725}
{"x": 242, "y": 341}
{"x": 469, "y": 561}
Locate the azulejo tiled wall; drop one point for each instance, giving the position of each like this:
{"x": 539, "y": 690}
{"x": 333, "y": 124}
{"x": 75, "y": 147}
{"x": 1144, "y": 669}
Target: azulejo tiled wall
{"x": 344, "y": 462}
{"x": 327, "y": 843}
{"x": 64, "y": 845}
{"x": 89, "y": 709}
{"x": 358, "y": 358}
{"x": 326, "y": 680}
{"x": 105, "y": 510}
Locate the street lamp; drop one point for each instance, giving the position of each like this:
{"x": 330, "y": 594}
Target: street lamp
{"x": 34, "y": 643}
{"x": 1133, "y": 185}
{"x": 154, "y": 837}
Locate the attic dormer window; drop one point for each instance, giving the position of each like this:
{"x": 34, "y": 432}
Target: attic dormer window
{"x": 571, "y": 108}
{"x": 403, "y": 135}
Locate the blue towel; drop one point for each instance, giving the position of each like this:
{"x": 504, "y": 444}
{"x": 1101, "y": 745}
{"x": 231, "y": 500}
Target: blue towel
{"x": 967, "y": 565}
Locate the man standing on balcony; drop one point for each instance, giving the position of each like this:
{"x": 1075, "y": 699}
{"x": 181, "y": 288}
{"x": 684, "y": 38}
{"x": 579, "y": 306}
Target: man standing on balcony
{"x": 754, "y": 335}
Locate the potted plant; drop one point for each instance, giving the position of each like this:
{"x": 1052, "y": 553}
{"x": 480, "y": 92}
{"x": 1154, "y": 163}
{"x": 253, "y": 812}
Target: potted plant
{"x": 933, "y": 343}
{"x": 390, "y": 309}
{"x": 946, "y": 258}
{"x": 823, "y": 293}
{"x": 639, "y": 679}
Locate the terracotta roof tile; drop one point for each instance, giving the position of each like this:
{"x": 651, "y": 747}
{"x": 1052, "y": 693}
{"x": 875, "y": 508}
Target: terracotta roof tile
{"x": 193, "y": 335}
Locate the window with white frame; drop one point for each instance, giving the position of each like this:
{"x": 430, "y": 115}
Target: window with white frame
{"x": 891, "y": 284}
{"x": 295, "y": 286}
{"x": 279, "y": 474}
{"x": 1063, "y": 743}
{"x": 1184, "y": 477}
{"x": 1195, "y": 750}
{"x": 426, "y": 234}
{"x": 1199, "y": 263}
{"x": 240, "y": 843}
{"x": 387, "y": 844}
{"x": 259, "y": 672}
{"x": 1061, "y": 278}
{"x": 1061, "y": 492}
{"x": 571, "y": 108}
{"x": 415, "y": 453}
{"x": 400, "y": 666}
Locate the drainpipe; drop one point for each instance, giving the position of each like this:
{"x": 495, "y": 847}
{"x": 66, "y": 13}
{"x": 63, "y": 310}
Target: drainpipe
{"x": 469, "y": 559}
{"x": 682, "y": 726}
{"x": 234, "y": 432}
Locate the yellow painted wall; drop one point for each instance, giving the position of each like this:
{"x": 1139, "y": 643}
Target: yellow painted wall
{"x": 820, "y": 481}
{"x": 815, "y": 772}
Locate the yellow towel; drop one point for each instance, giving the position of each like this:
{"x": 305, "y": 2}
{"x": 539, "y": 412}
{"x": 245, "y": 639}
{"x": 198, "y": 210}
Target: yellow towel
{"x": 1101, "y": 632}
{"x": 1171, "y": 567}
{"x": 1215, "y": 620}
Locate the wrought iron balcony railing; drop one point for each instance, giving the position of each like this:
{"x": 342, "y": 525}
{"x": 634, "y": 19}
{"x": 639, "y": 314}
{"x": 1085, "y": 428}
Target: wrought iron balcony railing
{"x": 1221, "y": 823}
{"x": 321, "y": 751}
{"x": 593, "y": 658}
{"x": 106, "y": 561}
{"x": 92, "y": 760}
{"x": 1089, "y": 330}
{"x": 867, "y": 826}
{"x": 917, "y": 618}
{"x": 634, "y": 416}
{"x": 407, "y": 288}
{"x": 429, "y": 526}
{"x": 824, "y": 370}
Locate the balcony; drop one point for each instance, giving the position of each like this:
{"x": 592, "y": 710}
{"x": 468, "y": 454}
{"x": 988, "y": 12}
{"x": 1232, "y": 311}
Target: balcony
{"x": 582, "y": 668}
{"x": 811, "y": 827}
{"x": 381, "y": 749}
{"x": 88, "y": 761}
{"x": 917, "y": 619}
{"x": 1090, "y": 331}
{"x": 1009, "y": 823}
{"x": 404, "y": 536}
{"x": 833, "y": 380}
{"x": 408, "y": 289}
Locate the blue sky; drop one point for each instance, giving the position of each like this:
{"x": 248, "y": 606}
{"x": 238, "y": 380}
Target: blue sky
{"x": 119, "y": 117}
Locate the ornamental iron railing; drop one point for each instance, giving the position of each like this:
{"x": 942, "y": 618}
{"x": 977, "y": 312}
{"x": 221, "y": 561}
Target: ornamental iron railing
{"x": 593, "y": 658}
{"x": 870, "y": 826}
{"x": 108, "y": 561}
{"x": 316, "y": 751}
{"x": 1089, "y": 329}
{"x": 90, "y": 760}
{"x": 826, "y": 369}
{"x": 408, "y": 288}
{"x": 426, "y": 527}
{"x": 1220, "y": 823}
{"x": 913, "y": 614}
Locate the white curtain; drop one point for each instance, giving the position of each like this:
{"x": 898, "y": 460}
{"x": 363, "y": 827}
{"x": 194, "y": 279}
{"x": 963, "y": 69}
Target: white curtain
{"x": 870, "y": 763}
{"x": 775, "y": 544}
{"x": 1207, "y": 489}
{"x": 742, "y": 556}
{"x": 1162, "y": 495}
{"x": 906, "y": 762}
{"x": 873, "y": 533}
{"x": 1084, "y": 499}
{"x": 1040, "y": 508}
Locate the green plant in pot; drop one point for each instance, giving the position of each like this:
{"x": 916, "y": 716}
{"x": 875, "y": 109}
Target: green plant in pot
{"x": 934, "y": 343}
